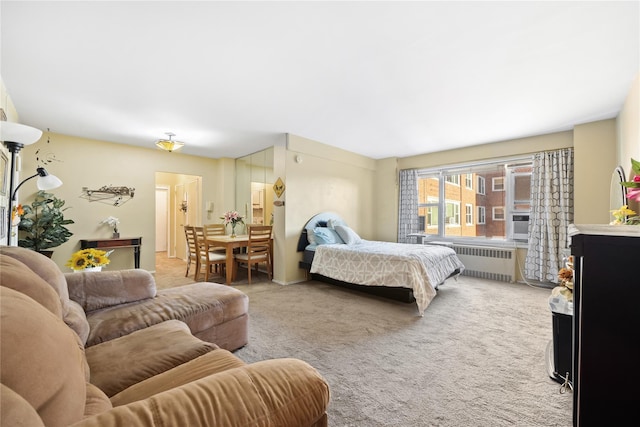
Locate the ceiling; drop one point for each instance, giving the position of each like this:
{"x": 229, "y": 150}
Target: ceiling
{"x": 382, "y": 79}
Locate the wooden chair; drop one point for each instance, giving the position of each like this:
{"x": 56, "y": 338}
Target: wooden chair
{"x": 215, "y": 230}
{"x": 258, "y": 250}
{"x": 211, "y": 260}
{"x": 199, "y": 252}
{"x": 192, "y": 249}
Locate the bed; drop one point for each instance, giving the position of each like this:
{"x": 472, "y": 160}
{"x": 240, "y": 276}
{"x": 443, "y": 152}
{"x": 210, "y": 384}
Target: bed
{"x": 335, "y": 253}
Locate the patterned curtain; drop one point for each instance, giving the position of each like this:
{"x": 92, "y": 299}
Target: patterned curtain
{"x": 551, "y": 214}
{"x": 408, "y": 211}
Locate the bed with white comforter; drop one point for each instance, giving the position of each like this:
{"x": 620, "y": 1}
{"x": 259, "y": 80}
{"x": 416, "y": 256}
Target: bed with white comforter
{"x": 373, "y": 263}
{"x": 333, "y": 252}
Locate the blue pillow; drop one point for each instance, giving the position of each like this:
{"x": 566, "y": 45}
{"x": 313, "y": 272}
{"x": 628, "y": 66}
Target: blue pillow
{"x": 326, "y": 236}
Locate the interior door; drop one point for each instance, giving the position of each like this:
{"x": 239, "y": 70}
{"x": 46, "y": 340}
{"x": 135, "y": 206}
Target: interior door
{"x": 162, "y": 219}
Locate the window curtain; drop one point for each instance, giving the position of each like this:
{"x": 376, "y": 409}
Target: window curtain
{"x": 551, "y": 214}
{"x": 408, "y": 211}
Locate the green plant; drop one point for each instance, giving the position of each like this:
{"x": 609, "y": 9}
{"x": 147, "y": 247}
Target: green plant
{"x": 43, "y": 223}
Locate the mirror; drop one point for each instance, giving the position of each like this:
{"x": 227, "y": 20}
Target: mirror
{"x": 617, "y": 196}
{"x": 254, "y": 182}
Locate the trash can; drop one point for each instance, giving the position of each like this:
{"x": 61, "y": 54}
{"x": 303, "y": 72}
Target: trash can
{"x": 560, "y": 349}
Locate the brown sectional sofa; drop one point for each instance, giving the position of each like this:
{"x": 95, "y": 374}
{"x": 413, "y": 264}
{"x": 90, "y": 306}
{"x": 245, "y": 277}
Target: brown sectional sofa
{"x": 154, "y": 374}
{"x": 105, "y": 305}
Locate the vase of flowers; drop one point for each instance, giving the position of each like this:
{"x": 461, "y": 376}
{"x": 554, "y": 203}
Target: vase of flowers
{"x": 113, "y": 222}
{"x": 633, "y": 186}
{"x": 233, "y": 218}
{"x": 88, "y": 260}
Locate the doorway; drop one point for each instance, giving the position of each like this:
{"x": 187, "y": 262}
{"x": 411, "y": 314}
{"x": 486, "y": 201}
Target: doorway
{"x": 178, "y": 203}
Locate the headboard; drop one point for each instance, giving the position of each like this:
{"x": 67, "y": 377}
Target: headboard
{"x": 318, "y": 220}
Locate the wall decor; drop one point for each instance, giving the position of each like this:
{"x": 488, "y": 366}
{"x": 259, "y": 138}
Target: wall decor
{"x": 278, "y": 187}
{"x": 109, "y": 194}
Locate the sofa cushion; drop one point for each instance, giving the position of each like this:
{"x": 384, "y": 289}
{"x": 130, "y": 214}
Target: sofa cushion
{"x": 77, "y": 320}
{"x": 17, "y": 276}
{"x": 96, "y": 401}
{"x": 200, "y": 305}
{"x": 97, "y": 290}
{"x": 279, "y": 392}
{"x": 211, "y": 363}
{"x": 43, "y": 267}
{"x": 148, "y": 352}
{"x": 16, "y": 411}
{"x": 42, "y": 360}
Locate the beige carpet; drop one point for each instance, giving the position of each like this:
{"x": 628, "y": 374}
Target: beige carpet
{"x": 476, "y": 358}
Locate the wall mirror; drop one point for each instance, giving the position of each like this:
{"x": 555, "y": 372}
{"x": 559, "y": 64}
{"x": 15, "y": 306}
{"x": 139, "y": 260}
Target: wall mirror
{"x": 617, "y": 196}
{"x": 254, "y": 182}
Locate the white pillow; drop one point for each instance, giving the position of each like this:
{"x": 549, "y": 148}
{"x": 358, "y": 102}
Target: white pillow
{"x": 311, "y": 238}
{"x": 347, "y": 234}
{"x": 326, "y": 236}
{"x": 331, "y": 223}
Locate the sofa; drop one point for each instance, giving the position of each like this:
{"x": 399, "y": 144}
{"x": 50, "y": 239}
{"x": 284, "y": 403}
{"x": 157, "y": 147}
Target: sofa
{"x": 101, "y": 306}
{"x": 156, "y": 375}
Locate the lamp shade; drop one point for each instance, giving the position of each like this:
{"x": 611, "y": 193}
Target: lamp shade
{"x": 15, "y": 132}
{"x": 169, "y": 144}
{"x": 47, "y": 181}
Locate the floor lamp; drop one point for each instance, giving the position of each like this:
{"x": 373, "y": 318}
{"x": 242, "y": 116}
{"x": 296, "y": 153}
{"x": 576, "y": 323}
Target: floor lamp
{"x": 15, "y": 136}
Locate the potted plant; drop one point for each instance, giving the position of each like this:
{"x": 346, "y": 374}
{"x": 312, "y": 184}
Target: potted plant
{"x": 43, "y": 224}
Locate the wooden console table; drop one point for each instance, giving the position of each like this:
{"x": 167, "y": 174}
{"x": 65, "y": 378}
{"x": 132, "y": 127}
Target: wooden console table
{"x": 125, "y": 242}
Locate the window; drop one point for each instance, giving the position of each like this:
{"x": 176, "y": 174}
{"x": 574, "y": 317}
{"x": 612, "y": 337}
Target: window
{"x": 453, "y": 179}
{"x": 453, "y": 213}
{"x": 481, "y": 213}
{"x": 481, "y": 185}
{"x": 447, "y": 193}
{"x": 497, "y": 183}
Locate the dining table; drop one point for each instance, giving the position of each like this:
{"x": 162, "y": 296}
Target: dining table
{"x": 229, "y": 243}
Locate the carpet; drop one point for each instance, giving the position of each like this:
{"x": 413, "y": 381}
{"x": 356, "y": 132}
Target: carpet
{"x": 476, "y": 358}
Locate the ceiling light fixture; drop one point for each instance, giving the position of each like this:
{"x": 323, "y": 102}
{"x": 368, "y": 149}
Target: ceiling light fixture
{"x": 169, "y": 144}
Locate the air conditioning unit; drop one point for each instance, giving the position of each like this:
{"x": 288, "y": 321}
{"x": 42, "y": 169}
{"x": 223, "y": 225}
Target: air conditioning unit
{"x": 520, "y": 227}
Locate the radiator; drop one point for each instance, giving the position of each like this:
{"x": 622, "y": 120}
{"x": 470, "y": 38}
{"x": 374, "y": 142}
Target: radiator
{"x": 488, "y": 262}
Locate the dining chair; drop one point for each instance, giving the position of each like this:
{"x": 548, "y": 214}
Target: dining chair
{"x": 206, "y": 257}
{"x": 211, "y": 230}
{"x": 258, "y": 250}
{"x": 192, "y": 248}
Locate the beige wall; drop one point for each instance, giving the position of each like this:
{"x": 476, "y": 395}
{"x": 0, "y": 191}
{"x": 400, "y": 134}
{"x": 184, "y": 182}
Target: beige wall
{"x": 629, "y": 134}
{"x": 88, "y": 163}
{"x": 594, "y": 162}
{"x": 628, "y": 127}
{"x": 325, "y": 179}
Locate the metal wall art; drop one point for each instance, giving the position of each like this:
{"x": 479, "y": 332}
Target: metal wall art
{"x": 109, "y": 194}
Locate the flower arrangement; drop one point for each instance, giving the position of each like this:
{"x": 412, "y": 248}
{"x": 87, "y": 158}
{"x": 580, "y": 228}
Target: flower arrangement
{"x": 88, "y": 258}
{"x": 624, "y": 216}
{"x": 16, "y": 215}
{"x": 233, "y": 218}
{"x": 633, "y": 192}
{"x": 113, "y": 223}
